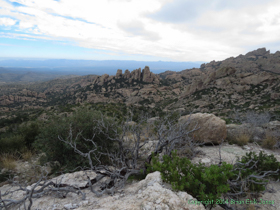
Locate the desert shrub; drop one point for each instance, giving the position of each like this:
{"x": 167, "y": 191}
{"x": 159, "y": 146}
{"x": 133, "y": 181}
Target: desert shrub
{"x": 26, "y": 154}
{"x": 5, "y": 176}
{"x": 257, "y": 119}
{"x": 198, "y": 180}
{"x": 29, "y": 133}
{"x": 83, "y": 126}
{"x": 248, "y": 176}
{"x": 8, "y": 160}
{"x": 12, "y": 143}
{"x": 253, "y": 172}
{"x": 261, "y": 163}
{"x": 227, "y": 120}
{"x": 271, "y": 140}
{"x": 242, "y": 139}
{"x": 239, "y": 139}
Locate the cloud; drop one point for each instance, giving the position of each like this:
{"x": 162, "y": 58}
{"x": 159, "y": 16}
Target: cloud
{"x": 7, "y": 21}
{"x": 182, "y": 30}
{"x": 137, "y": 28}
{"x": 179, "y": 11}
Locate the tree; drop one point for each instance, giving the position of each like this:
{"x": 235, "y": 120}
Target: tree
{"x": 126, "y": 159}
{"x": 82, "y": 126}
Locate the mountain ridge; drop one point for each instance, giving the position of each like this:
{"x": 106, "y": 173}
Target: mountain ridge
{"x": 246, "y": 82}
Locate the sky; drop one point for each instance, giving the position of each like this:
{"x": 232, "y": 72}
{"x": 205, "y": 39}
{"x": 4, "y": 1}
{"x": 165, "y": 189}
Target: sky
{"x": 143, "y": 30}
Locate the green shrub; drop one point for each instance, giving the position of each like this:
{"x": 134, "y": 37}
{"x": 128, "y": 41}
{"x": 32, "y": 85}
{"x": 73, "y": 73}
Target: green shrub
{"x": 6, "y": 176}
{"x": 211, "y": 182}
{"x": 203, "y": 183}
{"x": 29, "y": 133}
{"x": 264, "y": 162}
{"x": 82, "y": 121}
{"x": 252, "y": 173}
{"x": 12, "y": 143}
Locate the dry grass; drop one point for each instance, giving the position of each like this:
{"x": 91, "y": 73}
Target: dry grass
{"x": 251, "y": 207}
{"x": 242, "y": 139}
{"x": 270, "y": 141}
{"x": 27, "y": 155}
{"x": 8, "y": 160}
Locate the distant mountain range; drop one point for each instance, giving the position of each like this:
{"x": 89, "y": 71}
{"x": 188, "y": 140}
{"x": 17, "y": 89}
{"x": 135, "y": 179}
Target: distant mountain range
{"x": 85, "y": 67}
{"x": 23, "y": 75}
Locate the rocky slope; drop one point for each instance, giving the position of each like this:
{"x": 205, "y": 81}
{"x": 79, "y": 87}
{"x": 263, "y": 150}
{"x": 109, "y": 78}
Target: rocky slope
{"x": 150, "y": 193}
{"x": 246, "y": 82}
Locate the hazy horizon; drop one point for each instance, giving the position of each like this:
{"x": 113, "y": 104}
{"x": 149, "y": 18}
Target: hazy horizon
{"x": 84, "y": 67}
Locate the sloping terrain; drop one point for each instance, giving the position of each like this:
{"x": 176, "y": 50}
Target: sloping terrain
{"x": 249, "y": 82}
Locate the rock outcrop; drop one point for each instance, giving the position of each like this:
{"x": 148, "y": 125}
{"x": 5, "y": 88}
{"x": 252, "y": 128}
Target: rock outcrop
{"x": 150, "y": 193}
{"x": 145, "y": 76}
{"x": 211, "y": 129}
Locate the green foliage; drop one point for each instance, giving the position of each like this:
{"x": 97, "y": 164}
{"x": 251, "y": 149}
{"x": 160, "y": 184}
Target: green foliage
{"x": 211, "y": 182}
{"x": 11, "y": 143}
{"x": 198, "y": 180}
{"x": 253, "y": 173}
{"x": 82, "y": 121}
{"x": 17, "y": 119}
{"x": 29, "y": 133}
{"x": 5, "y": 176}
{"x": 227, "y": 120}
{"x": 263, "y": 163}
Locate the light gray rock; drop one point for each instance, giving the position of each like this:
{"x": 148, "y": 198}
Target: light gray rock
{"x": 70, "y": 206}
{"x": 76, "y": 179}
{"x": 151, "y": 120}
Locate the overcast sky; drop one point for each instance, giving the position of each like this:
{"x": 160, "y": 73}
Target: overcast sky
{"x": 147, "y": 30}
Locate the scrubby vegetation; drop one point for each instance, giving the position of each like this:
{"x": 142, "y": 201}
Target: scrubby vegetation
{"x": 204, "y": 183}
{"x": 247, "y": 177}
{"x": 109, "y": 137}
{"x": 81, "y": 125}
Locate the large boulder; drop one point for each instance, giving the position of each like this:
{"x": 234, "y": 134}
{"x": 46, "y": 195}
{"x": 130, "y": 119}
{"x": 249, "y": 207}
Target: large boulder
{"x": 212, "y": 129}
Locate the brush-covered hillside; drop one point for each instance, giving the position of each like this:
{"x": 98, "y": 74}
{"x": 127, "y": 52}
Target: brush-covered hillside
{"x": 246, "y": 82}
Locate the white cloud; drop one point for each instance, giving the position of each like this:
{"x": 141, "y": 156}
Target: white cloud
{"x": 137, "y": 28}
{"x": 175, "y": 29}
{"x": 7, "y": 21}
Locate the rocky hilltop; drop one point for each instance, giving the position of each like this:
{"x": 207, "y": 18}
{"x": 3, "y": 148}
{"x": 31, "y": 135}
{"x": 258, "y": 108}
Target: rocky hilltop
{"x": 250, "y": 81}
{"x": 257, "y": 60}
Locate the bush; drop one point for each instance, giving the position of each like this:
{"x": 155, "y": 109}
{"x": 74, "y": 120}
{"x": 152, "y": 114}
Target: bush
{"x": 12, "y": 143}
{"x": 29, "y": 133}
{"x": 263, "y": 163}
{"x": 8, "y": 160}
{"x": 242, "y": 139}
{"x": 271, "y": 140}
{"x": 248, "y": 176}
{"x": 200, "y": 181}
{"x": 5, "y": 176}
{"x": 253, "y": 172}
{"x": 82, "y": 124}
